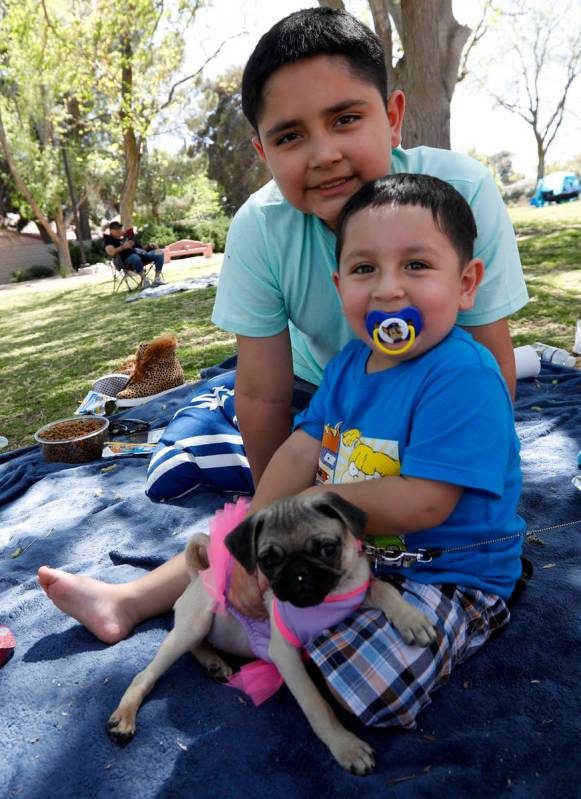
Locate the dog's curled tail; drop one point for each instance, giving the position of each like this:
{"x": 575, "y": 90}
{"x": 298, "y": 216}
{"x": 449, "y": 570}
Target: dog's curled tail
{"x": 196, "y": 554}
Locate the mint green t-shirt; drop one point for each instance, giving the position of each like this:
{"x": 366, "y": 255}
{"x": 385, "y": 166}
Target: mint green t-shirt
{"x": 279, "y": 261}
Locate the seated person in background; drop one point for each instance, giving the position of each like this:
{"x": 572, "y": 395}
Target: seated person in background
{"x": 132, "y": 254}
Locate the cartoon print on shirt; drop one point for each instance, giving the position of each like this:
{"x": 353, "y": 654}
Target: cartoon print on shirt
{"x": 370, "y": 458}
{"x": 328, "y": 455}
{"x": 350, "y": 457}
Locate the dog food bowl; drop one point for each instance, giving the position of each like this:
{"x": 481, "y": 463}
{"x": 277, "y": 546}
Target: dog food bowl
{"x": 77, "y": 439}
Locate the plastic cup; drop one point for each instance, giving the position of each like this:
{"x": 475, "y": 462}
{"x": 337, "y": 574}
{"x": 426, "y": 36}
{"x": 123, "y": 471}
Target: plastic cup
{"x": 527, "y": 361}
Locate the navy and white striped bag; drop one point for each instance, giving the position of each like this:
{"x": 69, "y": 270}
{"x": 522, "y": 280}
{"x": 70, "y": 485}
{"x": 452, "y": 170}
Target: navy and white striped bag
{"x": 201, "y": 448}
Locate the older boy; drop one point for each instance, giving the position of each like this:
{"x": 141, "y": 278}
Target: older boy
{"x": 315, "y": 91}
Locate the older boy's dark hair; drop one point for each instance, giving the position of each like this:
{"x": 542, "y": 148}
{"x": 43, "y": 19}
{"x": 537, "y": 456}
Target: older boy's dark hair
{"x": 452, "y": 214}
{"x": 308, "y": 33}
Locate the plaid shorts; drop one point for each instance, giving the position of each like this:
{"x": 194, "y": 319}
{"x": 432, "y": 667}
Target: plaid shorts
{"x": 385, "y": 682}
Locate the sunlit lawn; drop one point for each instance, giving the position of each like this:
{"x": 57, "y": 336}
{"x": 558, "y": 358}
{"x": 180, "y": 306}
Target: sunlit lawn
{"x": 549, "y": 241}
{"x": 59, "y": 337}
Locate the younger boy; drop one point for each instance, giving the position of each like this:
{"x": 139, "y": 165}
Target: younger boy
{"x": 421, "y": 437}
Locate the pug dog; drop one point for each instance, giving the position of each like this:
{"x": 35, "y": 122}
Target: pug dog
{"x": 309, "y": 549}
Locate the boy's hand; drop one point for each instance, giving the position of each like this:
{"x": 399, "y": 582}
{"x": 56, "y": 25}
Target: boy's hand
{"x": 246, "y": 592}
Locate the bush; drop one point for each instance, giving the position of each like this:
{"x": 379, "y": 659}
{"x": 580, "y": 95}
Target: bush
{"x": 523, "y": 189}
{"x": 94, "y": 253}
{"x": 162, "y": 235}
{"x": 213, "y": 231}
{"x": 32, "y": 273}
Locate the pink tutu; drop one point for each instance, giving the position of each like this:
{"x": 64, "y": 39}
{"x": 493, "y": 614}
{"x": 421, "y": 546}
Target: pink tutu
{"x": 217, "y": 577}
{"x": 259, "y": 680}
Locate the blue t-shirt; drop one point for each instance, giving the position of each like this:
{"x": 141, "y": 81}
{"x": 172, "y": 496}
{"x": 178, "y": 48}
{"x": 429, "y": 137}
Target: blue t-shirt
{"x": 279, "y": 261}
{"x": 447, "y": 416}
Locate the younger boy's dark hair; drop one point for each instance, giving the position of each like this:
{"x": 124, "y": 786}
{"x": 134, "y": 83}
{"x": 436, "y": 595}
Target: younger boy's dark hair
{"x": 452, "y": 214}
{"x": 307, "y": 33}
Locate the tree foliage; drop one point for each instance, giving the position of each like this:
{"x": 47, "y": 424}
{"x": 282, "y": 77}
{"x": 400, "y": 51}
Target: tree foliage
{"x": 541, "y": 61}
{"x": 140, "y": 51}
{"x": 35, "y": 91}
{"x": 224, "y": 136}
{"x": 82, "y": 84}
{"x": 173, "y": 187}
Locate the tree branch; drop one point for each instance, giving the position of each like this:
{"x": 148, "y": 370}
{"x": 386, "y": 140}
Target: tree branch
{"x": 381, "y": 14}
{"x": 197, "y": 72}
{"x": 451, "y": 51}
{"x": 478, "y": 33}
{"x": 394, "y": 11}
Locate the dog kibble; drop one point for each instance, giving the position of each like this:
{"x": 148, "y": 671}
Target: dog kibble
{"x": 75, "y": 440}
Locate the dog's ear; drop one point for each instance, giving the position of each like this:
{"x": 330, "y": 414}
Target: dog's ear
{"x": 334, "y": 506}
{"x": 242, "y": 541}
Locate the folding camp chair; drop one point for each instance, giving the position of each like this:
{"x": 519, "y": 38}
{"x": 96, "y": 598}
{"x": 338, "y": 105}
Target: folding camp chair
{"x": 127, "y": 277}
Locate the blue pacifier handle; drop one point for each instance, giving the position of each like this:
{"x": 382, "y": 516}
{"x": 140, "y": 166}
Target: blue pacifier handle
{"x": 390, "y": 328}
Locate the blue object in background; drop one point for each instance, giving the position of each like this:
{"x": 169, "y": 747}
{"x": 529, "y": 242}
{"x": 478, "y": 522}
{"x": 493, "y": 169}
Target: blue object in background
{"x": 557, "y": 187}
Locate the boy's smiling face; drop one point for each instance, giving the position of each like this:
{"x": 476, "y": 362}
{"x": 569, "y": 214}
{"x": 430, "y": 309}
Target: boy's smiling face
{"x": 394, "y": 257}
{"x": 324, "y": 132}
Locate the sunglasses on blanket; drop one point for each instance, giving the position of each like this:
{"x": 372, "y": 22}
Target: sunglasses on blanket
{"x": 127, "y": 427}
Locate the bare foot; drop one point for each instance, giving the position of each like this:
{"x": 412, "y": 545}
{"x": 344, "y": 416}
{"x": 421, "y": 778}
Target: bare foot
{"x": 102, "y": 608}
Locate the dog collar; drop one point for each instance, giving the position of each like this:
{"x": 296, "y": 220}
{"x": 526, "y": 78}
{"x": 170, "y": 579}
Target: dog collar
{"x": 391, "y": 328}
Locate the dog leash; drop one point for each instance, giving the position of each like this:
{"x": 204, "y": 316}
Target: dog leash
{"x": 393, "y": 557}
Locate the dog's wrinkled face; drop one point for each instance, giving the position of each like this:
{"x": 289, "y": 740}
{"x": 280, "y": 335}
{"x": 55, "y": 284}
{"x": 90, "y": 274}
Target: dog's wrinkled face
{"x": 303, "y": 545}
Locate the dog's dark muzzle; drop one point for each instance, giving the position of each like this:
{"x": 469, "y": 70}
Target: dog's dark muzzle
{"x": 304, "y": 582}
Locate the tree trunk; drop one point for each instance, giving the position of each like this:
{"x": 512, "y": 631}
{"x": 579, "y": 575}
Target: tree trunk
{"x": 540, "y": 157}
{"x": 84, "y": 221}
{"x": 62, "y": 245}
{"x": 131, "y": 147}
{"x": 433, "y": 42}
{"x": 44, "y": 235}
{"x": 132, "y": 163}
{"x": 73, "y": 198}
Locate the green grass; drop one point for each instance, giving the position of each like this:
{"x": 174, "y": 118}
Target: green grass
{"x": 549, "y": 241}
{"x": 60, "y": 335}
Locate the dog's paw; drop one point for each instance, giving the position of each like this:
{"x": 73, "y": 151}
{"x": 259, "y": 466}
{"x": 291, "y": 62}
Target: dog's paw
{"x": 414, "y": 626}
{"x": 353, "y": 754}
{"x": 121, "y": 727}
{"x": 217, "y": 668}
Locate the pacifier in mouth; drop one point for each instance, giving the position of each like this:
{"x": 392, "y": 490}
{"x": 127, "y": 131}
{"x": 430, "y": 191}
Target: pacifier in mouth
{"x": 391, "y": 328}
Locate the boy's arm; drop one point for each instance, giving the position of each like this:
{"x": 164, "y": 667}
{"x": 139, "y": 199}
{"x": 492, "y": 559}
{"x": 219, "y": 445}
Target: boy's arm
{"x": 396, "y": 505}
{"x": 291, "y": 470}
{"x": 496, "y": 337}
{"x": 264, "y": 390}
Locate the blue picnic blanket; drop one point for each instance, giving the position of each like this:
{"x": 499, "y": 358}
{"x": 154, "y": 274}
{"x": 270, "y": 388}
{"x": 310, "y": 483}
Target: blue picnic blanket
{"x": 506, "y": 724}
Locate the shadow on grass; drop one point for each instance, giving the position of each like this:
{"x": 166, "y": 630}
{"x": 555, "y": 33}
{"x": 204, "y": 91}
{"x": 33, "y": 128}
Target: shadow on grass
{"x": 556, "y": 252}
{"x": 56, "y": 345}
